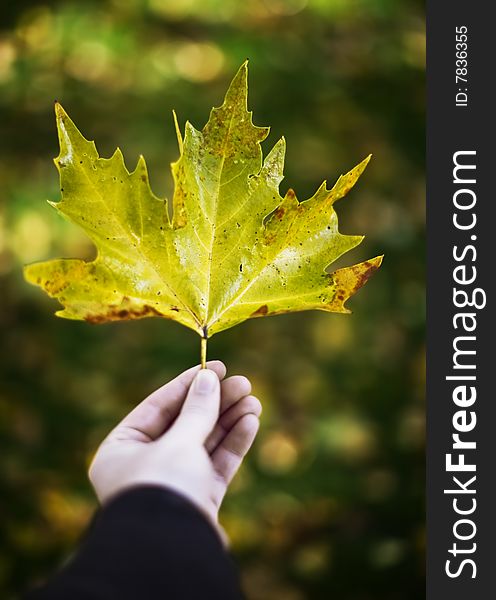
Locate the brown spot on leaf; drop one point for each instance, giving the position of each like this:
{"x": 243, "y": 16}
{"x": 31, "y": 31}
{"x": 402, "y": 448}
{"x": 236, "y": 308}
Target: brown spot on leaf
{"x": 175, "y": 308}
{"x": 349, "y": 280}
{"x": 269, "y": 238}
{"x": 260, "y": 312}
{"x": 56, "y": 287}
{"x": 280, "y": 212}
{"x": 290, "y": 195}
{"x": 121, "y": 314}
{"x": 96, "y": 319}
{"x": 362, "y": 275}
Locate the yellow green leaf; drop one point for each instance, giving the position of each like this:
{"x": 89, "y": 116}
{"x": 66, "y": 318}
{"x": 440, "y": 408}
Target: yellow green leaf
{"x": 233, "y": 249}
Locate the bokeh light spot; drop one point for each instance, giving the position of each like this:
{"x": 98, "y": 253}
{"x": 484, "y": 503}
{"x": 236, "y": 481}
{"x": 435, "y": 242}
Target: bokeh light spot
{"x": 278, "y": 453}
{"x": 199, "y": 61}
{"x": 31, "y": 237}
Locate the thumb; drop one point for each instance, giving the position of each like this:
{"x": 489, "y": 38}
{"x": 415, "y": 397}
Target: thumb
{"x": 200, "y": 410}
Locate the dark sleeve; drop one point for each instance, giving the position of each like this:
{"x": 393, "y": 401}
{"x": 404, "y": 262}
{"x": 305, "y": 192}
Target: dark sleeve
{"x": 148, "y": 542}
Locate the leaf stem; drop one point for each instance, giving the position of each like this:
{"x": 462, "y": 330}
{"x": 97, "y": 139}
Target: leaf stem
{"x": 203, "y": 352}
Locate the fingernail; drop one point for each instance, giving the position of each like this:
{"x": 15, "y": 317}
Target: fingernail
{"x": 205, "y": 381}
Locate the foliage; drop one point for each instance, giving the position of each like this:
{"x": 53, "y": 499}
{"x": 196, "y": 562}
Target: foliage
{"x": 234, "y": 248}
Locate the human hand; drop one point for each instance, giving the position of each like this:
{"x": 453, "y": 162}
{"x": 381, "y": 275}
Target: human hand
{"x": 190, "y": 435}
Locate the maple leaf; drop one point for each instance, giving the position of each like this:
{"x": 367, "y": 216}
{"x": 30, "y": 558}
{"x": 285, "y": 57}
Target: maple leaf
{"x": 233, "y": 249}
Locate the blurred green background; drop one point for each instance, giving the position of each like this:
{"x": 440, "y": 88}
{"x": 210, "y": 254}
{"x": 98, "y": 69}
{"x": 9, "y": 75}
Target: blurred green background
{"x": 330, "y": 503}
